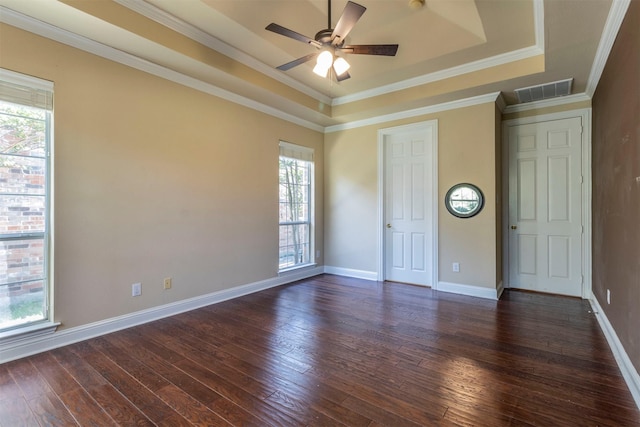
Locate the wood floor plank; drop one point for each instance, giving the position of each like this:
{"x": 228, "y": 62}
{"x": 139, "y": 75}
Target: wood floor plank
{"x": 379, "y": 415}
{"x": 236, "y": 394}
{"x": 299, "y": 410}
{"x": 131, "y": 365}
{"x": 8, "y": 387}
{"x": 164, "y": 368}
{"x": 86, "y": 410}
{"x": 250, "y": 354}
{"x": 28, "y": 378}
{"x": 15, "y": 411}
{"x": 332, "y": 351}
{"x": 223, "y": 364}
{"x": 49, "y": 410}
{"x": 234, "y": 414}
{"x": 192, "y": 410}
{"x": 58, "y": 378}
{"x": 119, "y": 408}
{"x": 144, "y": 399}
{"x": 266, "y": 371}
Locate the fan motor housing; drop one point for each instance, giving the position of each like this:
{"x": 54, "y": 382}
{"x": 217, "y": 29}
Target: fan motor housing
{"x": 324, "y": 36}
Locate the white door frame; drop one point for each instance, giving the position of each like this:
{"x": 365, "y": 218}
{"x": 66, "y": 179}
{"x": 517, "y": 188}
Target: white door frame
{"x": 429, "y": 127}
{"x": 585, "y": 115}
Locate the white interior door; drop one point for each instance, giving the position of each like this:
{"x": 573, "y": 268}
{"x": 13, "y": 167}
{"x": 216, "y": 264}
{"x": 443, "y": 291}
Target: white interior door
{"x": 408, "y": 206}
{"x": 545, "y": 206}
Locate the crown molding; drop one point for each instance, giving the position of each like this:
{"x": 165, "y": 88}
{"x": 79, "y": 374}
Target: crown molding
{"x": 470, "y": 67}
{"x": 611, "y": 28}
{"x": 546, "y": 103}
{"x": 461, "y": 103}
{"x": 538, "y": 22}
{"x": 501, "y": 103}
{"x": 68, "y": 38}
{"x": 166, "y": 19}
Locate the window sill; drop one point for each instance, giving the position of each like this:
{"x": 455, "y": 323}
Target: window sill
{"x": 296, "y": 268}
{"x": 28, "y": 332}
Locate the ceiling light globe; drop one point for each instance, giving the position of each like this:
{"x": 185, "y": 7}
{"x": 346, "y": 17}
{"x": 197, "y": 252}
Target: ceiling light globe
{"x": 320, "y": 70}
{"x": 325, "y": 59}
{"x": 341, "y": 66}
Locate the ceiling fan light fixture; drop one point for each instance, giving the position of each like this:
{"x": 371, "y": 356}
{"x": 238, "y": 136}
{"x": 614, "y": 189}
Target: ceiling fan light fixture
{"x": 325, "y": 59}
{"x": 323, "y": 63}
{"x": 321, "y": 71}
{"x": 330, "y": 42}
{"x": 341, "y": 66}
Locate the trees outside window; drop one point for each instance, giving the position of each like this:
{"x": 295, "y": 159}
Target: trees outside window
{"x": 295, "y": 187}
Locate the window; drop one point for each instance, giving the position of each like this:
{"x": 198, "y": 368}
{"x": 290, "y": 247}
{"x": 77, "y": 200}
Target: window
{"x": 25, "y": 133}
{"x": 296, "y": 189}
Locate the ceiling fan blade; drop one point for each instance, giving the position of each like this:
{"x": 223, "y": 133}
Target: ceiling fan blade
{"x": 343, "y": 76}
{"x": 279, "y": 29}
{"x": 296, "y": 62}
{"x": 371, "y": 49}
{"x": 350, "y": 15}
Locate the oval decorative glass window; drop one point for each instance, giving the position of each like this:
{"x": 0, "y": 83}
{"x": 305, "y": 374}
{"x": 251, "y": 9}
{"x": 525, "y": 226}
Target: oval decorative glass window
{"x": 464, "y": 200}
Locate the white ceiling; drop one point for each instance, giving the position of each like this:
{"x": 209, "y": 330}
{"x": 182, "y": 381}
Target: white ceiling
{"x": 448, "y": 49}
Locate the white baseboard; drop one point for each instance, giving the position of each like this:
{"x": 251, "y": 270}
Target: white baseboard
{"x": 349, "y": 272}
{"x": 19, "y": 348}
{"x": 473, "y": 291}
{"x": 456, "y": 288}
{"x": 629, "y": 372}
{"x": 499, "y": 290}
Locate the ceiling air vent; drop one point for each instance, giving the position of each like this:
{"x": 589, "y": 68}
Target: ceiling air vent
{"x": 544, "y": 91}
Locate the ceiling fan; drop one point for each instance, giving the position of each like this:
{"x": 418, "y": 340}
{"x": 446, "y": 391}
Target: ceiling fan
{"x": 330, "y": 44}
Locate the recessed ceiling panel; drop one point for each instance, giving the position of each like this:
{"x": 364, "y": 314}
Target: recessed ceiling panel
{"x": 443, "y": 31}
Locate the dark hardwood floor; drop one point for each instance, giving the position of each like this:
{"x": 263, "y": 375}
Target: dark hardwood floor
{"x": 334, "y": 351}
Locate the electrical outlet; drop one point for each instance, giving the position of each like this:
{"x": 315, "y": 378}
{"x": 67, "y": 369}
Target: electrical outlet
{"x": 136, "y": 289}
{"x": 456, "y": 267}
{"x": 167, "y": 282}
{"x": 608, "y": 296}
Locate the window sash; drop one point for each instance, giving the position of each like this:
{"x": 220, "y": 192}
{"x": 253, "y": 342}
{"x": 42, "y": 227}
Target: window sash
{"x": 295, "y": 216}
{"x": 25, "y": 247}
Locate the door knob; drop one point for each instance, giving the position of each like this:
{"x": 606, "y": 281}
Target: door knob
{"x": 513, "y": 227}
{"x": 388, "y": 225}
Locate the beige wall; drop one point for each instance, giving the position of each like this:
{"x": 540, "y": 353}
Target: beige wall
{"x": 153, "y": 179}
{"x": 467, "y": 144}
